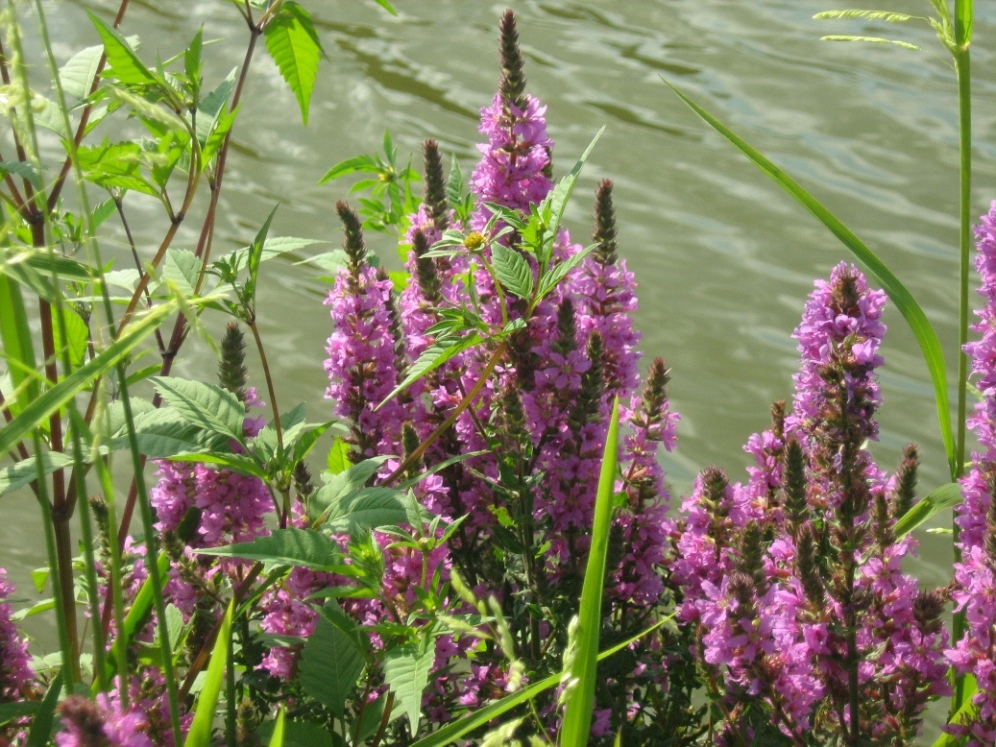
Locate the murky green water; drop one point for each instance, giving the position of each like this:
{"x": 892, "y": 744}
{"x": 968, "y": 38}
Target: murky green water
{"x": 723, "y": 258}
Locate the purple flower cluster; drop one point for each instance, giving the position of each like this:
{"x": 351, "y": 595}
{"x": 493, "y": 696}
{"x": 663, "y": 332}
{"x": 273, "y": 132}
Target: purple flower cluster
{"x": 974, "y": 591}
{"x": 16, "y": 674}
{"x": 794, "y": 579}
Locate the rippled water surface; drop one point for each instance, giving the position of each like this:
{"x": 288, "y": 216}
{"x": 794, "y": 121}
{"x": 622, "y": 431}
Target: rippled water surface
{"x": 724, "y": 259}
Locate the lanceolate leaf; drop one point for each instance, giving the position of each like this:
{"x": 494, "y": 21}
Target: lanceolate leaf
{"x": 294, "y": 46}
{"x": 366, "y": 509}
{"x": 200, "y": 729}
{"x": 211, "y": 407}
{"x": 580, "y": 702}
{"x": 16, "y": 338}
{"x": 26, "y": 471}
{"x": 406, "y": 670}
{"x": 296, "y": 547}
{"x": 433, "y": 357}
{"x": 331, "y": 664}
{"x": 78, "y": 74}
{"x": 124, "y": 63}
{"x": 255, "y": 253}
{"x": 561, "y": 193}
{"x": 512, "y": 270}
{"x": 925, "y": 335}
{"x": 946, "y": 496}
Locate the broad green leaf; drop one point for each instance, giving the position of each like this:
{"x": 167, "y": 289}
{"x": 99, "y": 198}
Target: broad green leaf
{"x": 181, "y": 268}
{"x": 338, "y": 456}
{"x": 44, "y": 405}
{"x": 17, "y": 346}
{"x": 78, "y": 74}
{"x": 349, "y": 479}
{"x": 581, "y": 700}
{"x": 115, "y": 166}
{"x": 946, "y": 496}
{"x": 211, "y": 407}
{"x": 293, "y": 44}
{"x": 299, "y": 734}
{"x": 22, "y": 169}
{"x": 11, "y": 711}
{"x": 331, "y": 664}
{"x": 26, "y": 471}
{"x": 303, "y": 548}
{"x": 406, "y": 671}
{"x": 432, "y": 358}
{"x": 559, "y": 271}
{"x": 164, "y": 432}
{"x": 366, "y": 509}
{"x": 968, "y": 713}
{"x": 121, "y": 57}
{"x": 303, "y": 444}
{"x": 74, "y": 339}
{"x": 55, "y": 263}
{"x": 241, "y": 463}
{"x": 457, "y": 728}
{"x": 925, "y": 335}
{"x": 512, "y": 270}
{"x": 201, "y": 727}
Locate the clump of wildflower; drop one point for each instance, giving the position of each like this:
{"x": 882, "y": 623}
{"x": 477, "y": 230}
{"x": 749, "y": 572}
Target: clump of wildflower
{"x": 974, "y": 591}
{"x": 15, "y": 668}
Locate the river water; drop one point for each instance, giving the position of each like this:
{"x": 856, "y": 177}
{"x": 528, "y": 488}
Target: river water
{"x": 723, "y": 258}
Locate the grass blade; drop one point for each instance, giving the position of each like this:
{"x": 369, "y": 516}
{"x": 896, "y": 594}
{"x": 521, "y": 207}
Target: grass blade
{"x": 581, "y": 700}
{"x": 200, "y": 729}
{"x": 925, "y": 335}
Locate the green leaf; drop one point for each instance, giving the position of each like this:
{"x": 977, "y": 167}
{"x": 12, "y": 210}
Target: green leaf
{"x": 15, "y": 334}
{"x": 386, "y": 6}
{"x": 561, "y": 193}
{"x": 925, "y": 335}
{"x": 115, "y": 166}
{"x": 254, "y": 256}
{"x": 241, "y": 463}
{"x": 124, "y": 63}
{"x": 277, "y": 740}
{"x": 331, "y": 664}
{"x": 968, "y": 713}
{"x": 181, "y": 268}
{"x": 432, "y": 358}
{"x": 581, "y": 700}
{"x": 210, "y": 107}
{"x": 11, "y": 711}
{"x": 215, "y": 409}
{"x": 293, "y": 44}
{"x": 512, "y": 270}
{"x": 559, "y": 271}
{"x": 44, "y": 405}
{"x": 201, "y": 727}
{"x": 299, "y": 734}
{"x": 963, "y": 22}
{"x": 149, "y": 112}
{"x": 303, "y": 548}
{"x": 946, "y": 496}
{"x": 26, "y": 471}
{"x": 72, "y": 336}
{"x": 165, "y": 432}
{"x": 192, "y": 65}
{"x": 457, "y": 728}
{"x": 78, "y": 74}
{"x": 366, "y": 509}
{"x": 24, "y": 170}
{"x": 40, "y": 733}
{"x": 338, "y": 456}
{"x": 406, "y": 671}
{"x": 365, "y": 164}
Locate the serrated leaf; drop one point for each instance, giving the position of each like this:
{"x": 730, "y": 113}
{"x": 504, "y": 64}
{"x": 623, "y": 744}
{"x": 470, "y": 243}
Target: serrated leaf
{"x": 558, "y": 272}
{"x": 210, "y": 107}
{"x": 432, "y": 358}
{"x": 181, "y": 268}
{"x": 870, "y": 40}
{"x": 164, "y": 432}
{"x": 115, "y": 166}
{"x": 330, "y": 667}
{"x": 211, "y": 407}
{"x": 406, "y": 671}
{"x": 303, "y": 548}
{"x": 944, "y": 497}
{"x": 365, "y": 509}
{"x": 512, "y": 270}
{"x": 24, "y": 170}
{"x": 78, "y": 74}
{"x": 121, "y": 57}
{"x": 338, "y": 457}
{"x": 25, "y": 471}
{"x": 147, "y": 111}
{"x": 72, "y": 336}
{"x": 294, "y": 46}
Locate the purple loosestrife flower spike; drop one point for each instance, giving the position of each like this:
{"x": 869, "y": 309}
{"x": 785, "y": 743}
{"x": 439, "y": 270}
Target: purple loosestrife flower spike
{"x": 974, "y": 591}
{"x": 15, "y": 670}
